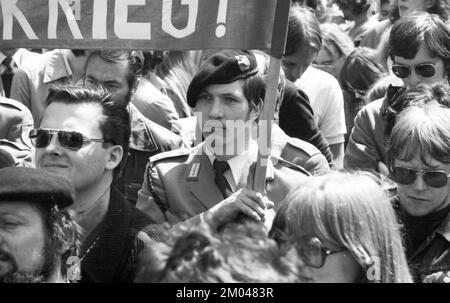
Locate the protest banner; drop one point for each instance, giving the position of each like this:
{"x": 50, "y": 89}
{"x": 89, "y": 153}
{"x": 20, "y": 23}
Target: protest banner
{"x": 156, "y": 24}
{"x": 138, "y": 24}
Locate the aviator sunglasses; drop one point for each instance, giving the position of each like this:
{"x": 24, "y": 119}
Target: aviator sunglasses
{"x": 433, "y": 178}
{"x": 425, "y": 70}
{"x": 67, "y": 139}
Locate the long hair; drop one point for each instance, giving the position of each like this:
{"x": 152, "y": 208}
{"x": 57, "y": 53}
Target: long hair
{"x": 349, "y": 210}
{"x": 177, "y": 69}
{"x": 421, "y": 129}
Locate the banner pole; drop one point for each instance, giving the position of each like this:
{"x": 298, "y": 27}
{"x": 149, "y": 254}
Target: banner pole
{"x": 265, "y": 125}
{"x": 278, "y": 43}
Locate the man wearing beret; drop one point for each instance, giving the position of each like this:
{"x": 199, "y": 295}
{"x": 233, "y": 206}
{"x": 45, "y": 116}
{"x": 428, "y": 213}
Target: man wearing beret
{"x": 212, "y": 181}
{"x": 38, "y": 236}
{"x": 84, "y": 136}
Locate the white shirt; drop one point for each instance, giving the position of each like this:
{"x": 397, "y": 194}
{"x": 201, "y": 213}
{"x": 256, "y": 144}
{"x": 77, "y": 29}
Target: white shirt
{"x": 237, "y": 163}
{"x": 327, "y": 101}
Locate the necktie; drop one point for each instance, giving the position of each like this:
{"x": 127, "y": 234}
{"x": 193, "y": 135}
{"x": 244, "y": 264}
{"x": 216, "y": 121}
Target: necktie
{"x": 7, "y": 76}
{"x": 219, "y": 168}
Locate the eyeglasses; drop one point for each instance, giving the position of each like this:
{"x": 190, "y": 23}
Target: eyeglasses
{"x": 433, "y": 178}
{"x": 68, "y": 139}
{"x": 425, "y": 70}
{"x": 314, "y": 253}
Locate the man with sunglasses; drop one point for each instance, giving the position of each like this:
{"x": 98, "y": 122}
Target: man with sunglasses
{"x": 419, "y": 47}
{"x": 84, "y": 137}
{"x": 419, "y": 163}
{"x": 119, "y": 71}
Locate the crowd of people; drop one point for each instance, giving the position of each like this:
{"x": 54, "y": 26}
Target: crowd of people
{"x": 142, "y": 166}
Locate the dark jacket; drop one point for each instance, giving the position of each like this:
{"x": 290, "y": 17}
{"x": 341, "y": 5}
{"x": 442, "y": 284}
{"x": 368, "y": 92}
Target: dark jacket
{"x": 119, "y": 240}
{"x": 297, "y": 119}
{"x": 430, "y": 262}
{"x": 147, "y": 139}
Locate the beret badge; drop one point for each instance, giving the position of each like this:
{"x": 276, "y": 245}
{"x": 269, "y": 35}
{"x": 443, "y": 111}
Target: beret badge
{"x": 243, "y": 62}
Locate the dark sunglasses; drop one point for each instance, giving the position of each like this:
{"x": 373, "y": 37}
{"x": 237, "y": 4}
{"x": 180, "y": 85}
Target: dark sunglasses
{"x": 425, "y": 70}
{"x": 68, "y": 139}
{"x": 433, "y": 178}
{"x": 314, "y": 253}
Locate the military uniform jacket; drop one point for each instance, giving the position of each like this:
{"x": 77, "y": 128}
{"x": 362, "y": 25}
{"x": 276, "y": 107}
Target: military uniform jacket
{"x": 180, "y": 184}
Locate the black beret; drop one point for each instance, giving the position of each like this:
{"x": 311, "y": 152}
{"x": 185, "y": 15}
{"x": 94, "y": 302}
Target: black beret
{"x": 223, "y": 67}
{"x": 35, "y": 186}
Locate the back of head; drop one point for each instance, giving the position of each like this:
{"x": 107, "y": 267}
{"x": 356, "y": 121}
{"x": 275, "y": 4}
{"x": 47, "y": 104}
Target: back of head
{"x": 361, "y": 70}
{"x": 439, "y": 92}
{"x": 348, "y": 210}
{"x": 239, "y": 252}
{"x": 408, "y": 34}
{"x": 303, "y": 31}
{"x": 332, "y": 34}
{"x": 422, "y": 129}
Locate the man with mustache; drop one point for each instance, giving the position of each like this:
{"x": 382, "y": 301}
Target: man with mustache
{"x": 38, "y": 237}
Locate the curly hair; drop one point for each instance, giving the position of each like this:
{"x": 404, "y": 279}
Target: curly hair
{"x": 64, "y": 232}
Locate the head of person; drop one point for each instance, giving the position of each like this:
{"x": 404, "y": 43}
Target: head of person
{"x": 386, "y": 7}
{"x": 353, "y": 9}
{"x": 401, "y": 98}
{"x": 344, "y": 228}
{"x": 360, "y": 71}
{"x": 116, "y": 70}
{"x": 404, "y": 8}
{"x": 239, "y": 252}
{"x": 419, "y": 158}
{"x": 226, "y": 89}
{"x": 336, "y": 46}
{"x": 303, "y": 42}
{"x": 83, "y": 136}
{"x": 419, "y": 46}
{"x": 37, "y": 234}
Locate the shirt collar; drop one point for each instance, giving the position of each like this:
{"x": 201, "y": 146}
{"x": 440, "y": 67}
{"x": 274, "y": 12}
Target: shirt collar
{"x": 239, "y": 162}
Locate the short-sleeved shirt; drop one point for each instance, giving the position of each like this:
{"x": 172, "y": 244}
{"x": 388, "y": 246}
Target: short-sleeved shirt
{"x": 327, "y": 101}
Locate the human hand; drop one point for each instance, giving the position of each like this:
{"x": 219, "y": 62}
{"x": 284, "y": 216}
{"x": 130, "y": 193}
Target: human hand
{"x": 244, "y": 201}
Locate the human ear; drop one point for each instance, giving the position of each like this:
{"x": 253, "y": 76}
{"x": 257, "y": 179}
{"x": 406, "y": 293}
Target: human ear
{"x": 256, "y": 108}
{"x": 114, "y": 157}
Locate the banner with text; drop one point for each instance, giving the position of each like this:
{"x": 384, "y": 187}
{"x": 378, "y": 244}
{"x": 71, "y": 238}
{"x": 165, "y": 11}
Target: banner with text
{"x": 142, "y": 24}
